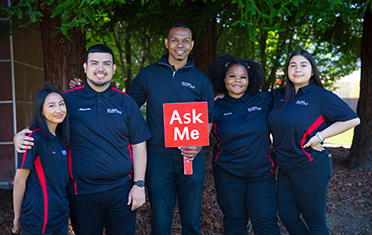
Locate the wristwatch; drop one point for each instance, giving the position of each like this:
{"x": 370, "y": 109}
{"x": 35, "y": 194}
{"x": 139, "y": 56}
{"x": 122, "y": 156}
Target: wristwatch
{"x": 139, "y": 183}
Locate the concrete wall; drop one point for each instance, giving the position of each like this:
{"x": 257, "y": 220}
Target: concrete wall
{"x": 348, "y": 92}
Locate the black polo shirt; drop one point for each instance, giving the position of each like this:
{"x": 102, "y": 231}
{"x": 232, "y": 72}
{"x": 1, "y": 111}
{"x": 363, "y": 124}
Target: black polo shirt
{"x": 243, "y": 137}
{"x": 312, "y": 110}
{"x": 45, "y": 206}
{"x": 160, "y": 83}
{"x": 103, "y": 126}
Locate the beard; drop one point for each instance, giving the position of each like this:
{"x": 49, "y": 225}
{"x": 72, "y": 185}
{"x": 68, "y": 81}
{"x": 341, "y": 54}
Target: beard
{"x": 99, "y": 84}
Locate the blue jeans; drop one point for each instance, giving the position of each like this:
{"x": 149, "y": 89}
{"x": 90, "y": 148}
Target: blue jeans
{"x": 90, "y": 212}
{"x": 240, "y": 199}
{"x": 165, "y": 179}
{"x": 303, "y": 190}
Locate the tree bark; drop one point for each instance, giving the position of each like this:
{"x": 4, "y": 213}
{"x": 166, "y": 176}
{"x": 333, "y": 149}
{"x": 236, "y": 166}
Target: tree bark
{"x": 63, "y": 58}
{"x": 361, "y": 150}
{"x": 203, "y": 52}
{"x": 128, "y": 58}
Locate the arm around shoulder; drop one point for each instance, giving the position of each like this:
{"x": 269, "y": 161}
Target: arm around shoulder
{"x": 22, "y": 141}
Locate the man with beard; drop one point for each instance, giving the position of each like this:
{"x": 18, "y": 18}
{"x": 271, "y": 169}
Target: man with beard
{"x": 173, "y": 79}
{"x": 107, "y": 151}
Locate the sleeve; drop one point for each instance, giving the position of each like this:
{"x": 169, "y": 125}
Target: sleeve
{"x": 137, "y": 91}
{"x": 207, "y": 95}
{"x": 335, "y": 109}
{"x": 276, "y": 92}
{"x": 26, "y": 160}
{"x": 268, "y": 99}
{"x": 138, "y": 129}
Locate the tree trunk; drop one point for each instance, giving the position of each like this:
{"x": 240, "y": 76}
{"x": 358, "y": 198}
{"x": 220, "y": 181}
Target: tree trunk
{"x": 361, "y": 150}
{"x": 202, "y": 52}
{"x": 128, "y": 58}
{"x": 263, "y": 39}
{"x": 63, "y": 58}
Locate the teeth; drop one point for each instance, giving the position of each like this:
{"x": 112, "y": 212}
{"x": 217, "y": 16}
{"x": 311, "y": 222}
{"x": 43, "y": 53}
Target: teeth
{"x": 100, "y": 75}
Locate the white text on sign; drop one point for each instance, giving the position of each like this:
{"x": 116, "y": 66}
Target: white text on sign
{"x": 176, "y": 117}
{"x": 185, "y": 133}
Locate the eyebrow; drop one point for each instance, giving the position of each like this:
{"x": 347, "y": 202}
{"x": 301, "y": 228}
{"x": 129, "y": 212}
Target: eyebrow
{"x": 180, "y": 38}
{"x": 103, "y": 61}
{"x": 302, "y": 62}
{"x": 56, "y": 102}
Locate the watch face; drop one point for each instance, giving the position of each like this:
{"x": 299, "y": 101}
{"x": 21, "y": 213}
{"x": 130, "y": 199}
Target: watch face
{"x": 139, "y": 183}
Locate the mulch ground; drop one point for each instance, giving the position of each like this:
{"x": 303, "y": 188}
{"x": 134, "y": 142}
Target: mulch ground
{"x": 348, "y": 211}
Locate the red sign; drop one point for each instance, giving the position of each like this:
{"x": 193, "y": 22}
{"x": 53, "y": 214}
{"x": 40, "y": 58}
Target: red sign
{"x": 186, "y": 124}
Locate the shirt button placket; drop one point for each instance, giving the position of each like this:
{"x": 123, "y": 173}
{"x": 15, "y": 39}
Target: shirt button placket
{"x": 99, "y": 105}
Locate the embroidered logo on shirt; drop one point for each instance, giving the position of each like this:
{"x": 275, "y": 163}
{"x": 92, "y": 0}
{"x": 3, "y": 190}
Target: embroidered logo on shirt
{"x": 301, "y": 102}
{"x": 255, "y": 108}
{"x": 64, "y": 152}
{"x": 187, "y": 84}
{"x": 225, "y": 114}
{"x": 114, "y": 111}
{"x": 84, "y": 109}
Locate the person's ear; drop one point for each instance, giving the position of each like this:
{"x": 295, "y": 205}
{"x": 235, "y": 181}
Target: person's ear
{"x": 85, "y": 67}
{"x": 166, "y": 42}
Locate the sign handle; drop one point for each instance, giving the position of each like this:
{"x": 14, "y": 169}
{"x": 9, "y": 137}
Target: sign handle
{"x": 187, "y": 166}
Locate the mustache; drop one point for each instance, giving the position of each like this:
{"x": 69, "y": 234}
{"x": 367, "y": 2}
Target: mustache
{"x": 104, "y": 73}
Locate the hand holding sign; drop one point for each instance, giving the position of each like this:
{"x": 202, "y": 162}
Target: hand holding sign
{"x": 190, "y": 152}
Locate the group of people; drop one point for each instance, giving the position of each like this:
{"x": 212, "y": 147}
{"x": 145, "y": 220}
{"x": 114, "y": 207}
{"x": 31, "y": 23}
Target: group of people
{"x": 88, "y": 152}
{"x": 299, "y": 121}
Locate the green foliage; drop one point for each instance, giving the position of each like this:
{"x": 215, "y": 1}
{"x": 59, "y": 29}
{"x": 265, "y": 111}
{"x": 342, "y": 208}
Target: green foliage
{"x": 267, "y": 30}
{"x": 280, "y": 27}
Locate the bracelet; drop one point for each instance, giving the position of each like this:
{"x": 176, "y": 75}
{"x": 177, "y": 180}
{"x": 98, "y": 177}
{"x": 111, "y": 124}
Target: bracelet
{"x": 319, "y": 137}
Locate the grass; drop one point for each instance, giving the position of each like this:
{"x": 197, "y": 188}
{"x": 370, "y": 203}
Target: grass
{"x": 343, "y": 138}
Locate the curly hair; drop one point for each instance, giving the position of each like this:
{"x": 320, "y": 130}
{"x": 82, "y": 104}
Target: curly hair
{"x": 220, "y": 65}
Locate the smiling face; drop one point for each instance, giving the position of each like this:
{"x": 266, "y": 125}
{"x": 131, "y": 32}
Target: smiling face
{"x": 299, "y": 71}
{"x": 179, "y": 44}
{"x": 54, "y": 110}
{"x": 236, "y": 81}
{"x": 99, "y": 70}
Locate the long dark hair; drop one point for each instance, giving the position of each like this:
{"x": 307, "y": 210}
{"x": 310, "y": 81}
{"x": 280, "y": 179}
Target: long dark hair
{"x": 220, "y": 65}
{"x": 38, "y": 121}
{"x": 289, "y": 91}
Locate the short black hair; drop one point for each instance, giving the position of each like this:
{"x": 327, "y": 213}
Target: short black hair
{"x": 220, "y": 65}
{"x": 100, "y": 48}
{"x": 180, "y": 25}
